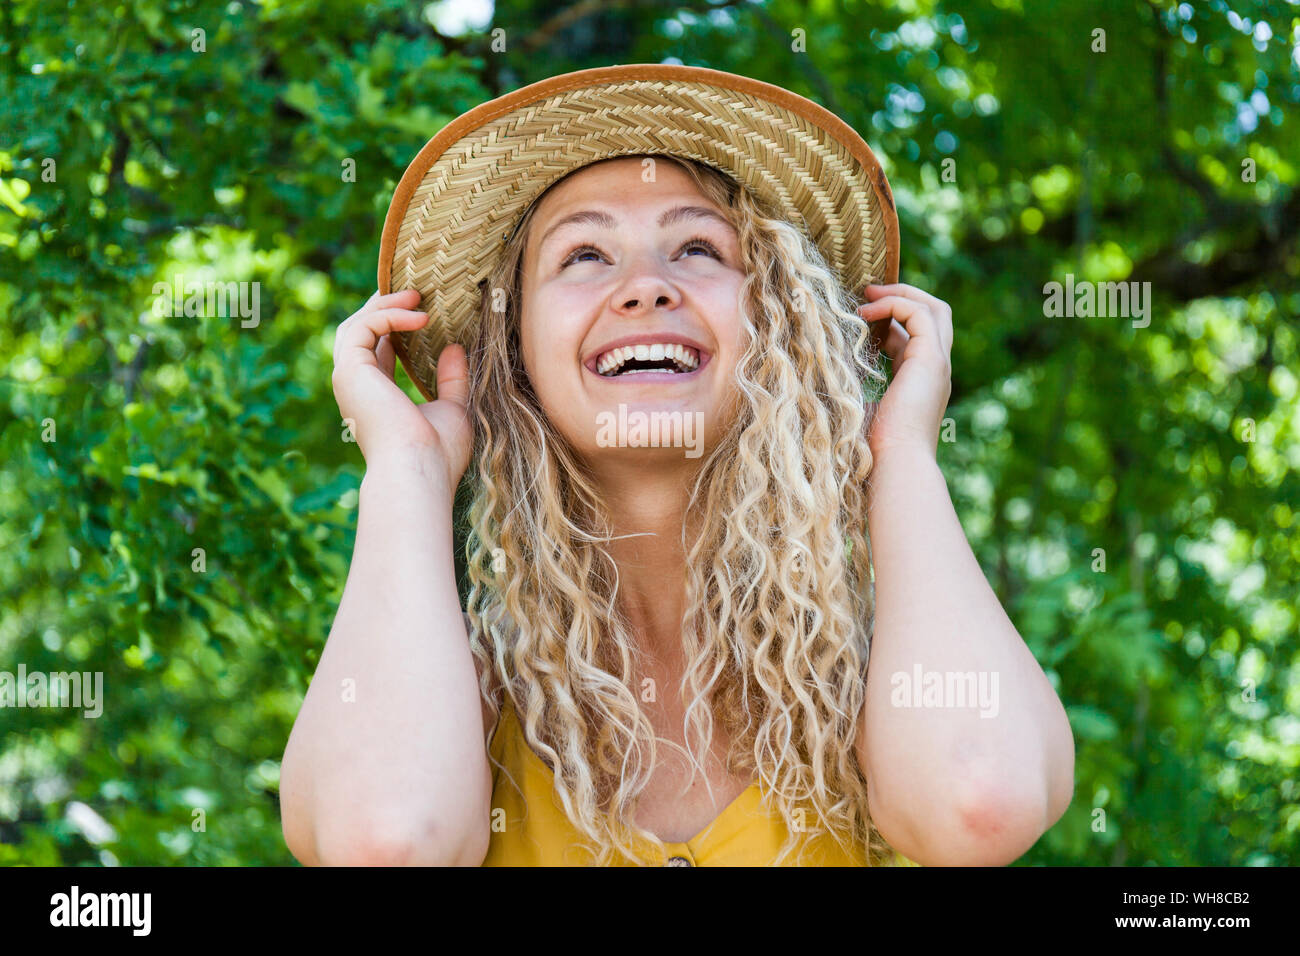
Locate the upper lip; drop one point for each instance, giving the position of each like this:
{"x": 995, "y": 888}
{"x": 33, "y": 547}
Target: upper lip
{"x": 645, "y": 338}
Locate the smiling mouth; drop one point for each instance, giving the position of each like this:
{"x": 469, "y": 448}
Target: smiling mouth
{"x": 634, "y": 360}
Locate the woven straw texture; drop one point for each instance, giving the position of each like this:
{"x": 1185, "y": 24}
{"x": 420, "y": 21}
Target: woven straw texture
{"x": 474, "y": 192}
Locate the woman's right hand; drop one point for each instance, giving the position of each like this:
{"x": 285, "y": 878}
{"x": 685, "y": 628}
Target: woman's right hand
{"x": 387, "y": 425}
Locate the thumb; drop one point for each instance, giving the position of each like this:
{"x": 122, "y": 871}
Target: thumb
{"x": 453, "y": 375}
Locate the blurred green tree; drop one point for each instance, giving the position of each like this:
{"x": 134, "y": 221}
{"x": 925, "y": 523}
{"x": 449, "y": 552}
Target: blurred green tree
{"x": 178, "y": 495}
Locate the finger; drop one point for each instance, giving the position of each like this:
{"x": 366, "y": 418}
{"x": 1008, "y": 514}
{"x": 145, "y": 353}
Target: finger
{"x": 941, "y": 310}
{"x": 880, "y": 331}
{"x": 915, "y": 316}
{"x": 400, "y": 299}
{"x": 891, "y": 336}
{"x": 359, "y": 335}
{"x": 900, "y": 307}
{"x": 386, "y": 356}
{"x": 906, "y": 291}
{"x": 896, "y": 343}
{"x": 453, "y": 375}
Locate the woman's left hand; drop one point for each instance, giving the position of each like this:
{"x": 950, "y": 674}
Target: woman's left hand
{"x": 919, "y": 345}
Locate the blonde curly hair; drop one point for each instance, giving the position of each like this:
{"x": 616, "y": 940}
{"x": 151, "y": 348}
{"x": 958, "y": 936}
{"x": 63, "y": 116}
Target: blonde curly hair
{"x": 779, "y": 600}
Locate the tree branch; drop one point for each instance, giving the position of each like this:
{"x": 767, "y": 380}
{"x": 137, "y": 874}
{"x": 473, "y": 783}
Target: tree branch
{"x": 1265, "y": 253}
{"x": 805, "y": 63}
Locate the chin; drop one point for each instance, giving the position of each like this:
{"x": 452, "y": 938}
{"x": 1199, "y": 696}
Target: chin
{"x": 647, "y": 431}
{"x": 641, "y": 426}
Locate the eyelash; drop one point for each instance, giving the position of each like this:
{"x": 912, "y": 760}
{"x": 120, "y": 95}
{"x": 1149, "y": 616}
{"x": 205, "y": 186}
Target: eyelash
{"x": 697, "y": 241}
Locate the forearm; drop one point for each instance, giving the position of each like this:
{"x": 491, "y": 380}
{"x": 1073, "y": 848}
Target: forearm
{"x": 386, "y": 760}
{"x": 977, "y": 768}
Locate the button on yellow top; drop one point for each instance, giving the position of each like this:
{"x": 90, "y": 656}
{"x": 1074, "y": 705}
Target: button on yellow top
{"x": 532, "y": 829}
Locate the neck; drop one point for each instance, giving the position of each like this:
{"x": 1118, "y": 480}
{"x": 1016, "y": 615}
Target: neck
{"x": 649, "y": 503}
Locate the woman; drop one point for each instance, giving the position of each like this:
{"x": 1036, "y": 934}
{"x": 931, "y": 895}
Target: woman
{"x": 666, "y": 636}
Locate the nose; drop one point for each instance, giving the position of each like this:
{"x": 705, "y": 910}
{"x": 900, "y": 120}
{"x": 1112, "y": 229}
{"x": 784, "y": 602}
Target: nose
{"x": 645, "y": 288}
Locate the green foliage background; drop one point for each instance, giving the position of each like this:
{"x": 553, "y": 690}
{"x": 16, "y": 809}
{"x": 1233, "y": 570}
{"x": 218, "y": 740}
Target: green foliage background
{"x": 1130, "y": 492}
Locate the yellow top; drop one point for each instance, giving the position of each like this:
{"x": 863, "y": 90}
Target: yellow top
{"x": 534, "y": 830}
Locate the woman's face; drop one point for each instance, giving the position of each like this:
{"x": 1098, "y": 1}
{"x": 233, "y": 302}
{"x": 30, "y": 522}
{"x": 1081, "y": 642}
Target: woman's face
{"x": 628, "y": 255}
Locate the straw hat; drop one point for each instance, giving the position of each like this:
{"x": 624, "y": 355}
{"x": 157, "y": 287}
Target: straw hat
{"x": 467, "y": 188}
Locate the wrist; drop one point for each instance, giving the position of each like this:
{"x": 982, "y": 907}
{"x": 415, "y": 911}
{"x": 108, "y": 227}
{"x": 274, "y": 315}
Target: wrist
{"x": 905, "y": 450}
{"x": 906, "y": 461}
{"x": 407, "y": 471}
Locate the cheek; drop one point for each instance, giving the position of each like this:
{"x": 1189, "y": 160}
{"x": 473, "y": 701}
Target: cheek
{"x": 724, "y": 311}
{"x": 549, "y": 339}
{"x": 553, "y": 320}
{"x": 527, "y": 342}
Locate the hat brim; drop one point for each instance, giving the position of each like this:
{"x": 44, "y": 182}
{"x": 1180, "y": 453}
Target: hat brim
{"x": 466, "y": 189}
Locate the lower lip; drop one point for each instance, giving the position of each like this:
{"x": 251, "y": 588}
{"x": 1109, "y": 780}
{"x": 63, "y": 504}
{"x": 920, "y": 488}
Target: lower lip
{"x": 655, "y": 378}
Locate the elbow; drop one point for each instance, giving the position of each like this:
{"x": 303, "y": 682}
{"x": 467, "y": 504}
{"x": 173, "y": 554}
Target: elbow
{"x": 996, "y": 826}
{"x": 387, "y": 842}
{"x": 327, "y": 824}
{"x": 992, "y": 819}
{"x": 391, "y": 840}
{"x": 1001, "y": 819}
{"x": 997, "y": 829}
{"x": 990, "y": 828}
{"x": 298, "y": 837}
{"x": 295, "y": 823}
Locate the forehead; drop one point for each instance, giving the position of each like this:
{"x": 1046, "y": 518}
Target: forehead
{"x": 618, "y": 182}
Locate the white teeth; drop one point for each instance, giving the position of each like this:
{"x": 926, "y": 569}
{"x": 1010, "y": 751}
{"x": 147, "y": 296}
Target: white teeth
{"x": 686, "y": 359}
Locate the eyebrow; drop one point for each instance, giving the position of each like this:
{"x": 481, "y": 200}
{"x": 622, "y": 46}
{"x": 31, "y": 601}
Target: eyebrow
{"x": 598, "y": 217}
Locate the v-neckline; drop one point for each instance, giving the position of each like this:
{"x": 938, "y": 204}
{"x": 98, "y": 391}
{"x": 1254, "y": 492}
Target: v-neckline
{"x": 694, "y": 844}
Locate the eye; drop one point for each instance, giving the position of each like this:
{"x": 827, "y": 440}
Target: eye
{"x": 577, "y": 254}
{"x": 699, "y": 242}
